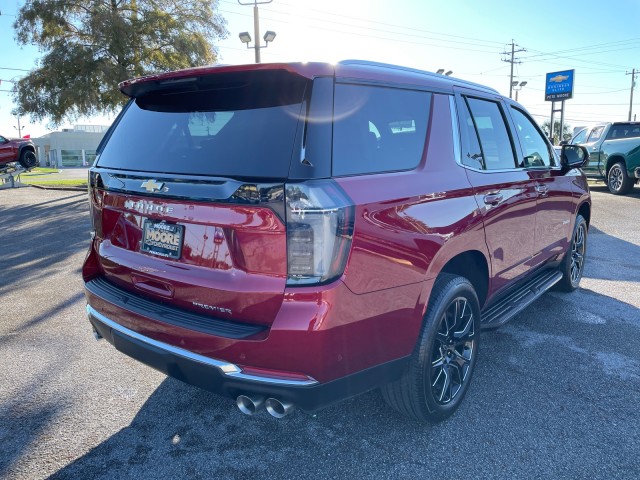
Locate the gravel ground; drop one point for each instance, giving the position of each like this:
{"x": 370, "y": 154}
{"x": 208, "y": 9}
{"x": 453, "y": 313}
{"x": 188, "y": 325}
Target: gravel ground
{"x": 556, "y": 393}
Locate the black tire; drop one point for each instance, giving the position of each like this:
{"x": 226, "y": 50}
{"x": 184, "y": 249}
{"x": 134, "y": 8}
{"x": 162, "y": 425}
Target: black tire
{"x": 572, "y": 266}
{"x": 438, "y": 376}
{"x": 618, "y": 181}
{"x": 28, "y": 159}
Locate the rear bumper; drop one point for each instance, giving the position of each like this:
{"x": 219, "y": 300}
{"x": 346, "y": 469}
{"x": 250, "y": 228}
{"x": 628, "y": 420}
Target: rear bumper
{"x": 228, "y": 379}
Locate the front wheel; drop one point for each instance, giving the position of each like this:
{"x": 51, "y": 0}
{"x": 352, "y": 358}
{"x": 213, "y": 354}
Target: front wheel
{"x": 572, "y": 266}
{"x": 618, "y": 181}
{"x": 28, "y": 159}
{"x": 438, "y": 376}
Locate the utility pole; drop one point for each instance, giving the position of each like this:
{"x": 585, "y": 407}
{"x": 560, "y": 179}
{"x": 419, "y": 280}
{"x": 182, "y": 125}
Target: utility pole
{"x": 633, "y": 84}
{"x": 512, "y": 60}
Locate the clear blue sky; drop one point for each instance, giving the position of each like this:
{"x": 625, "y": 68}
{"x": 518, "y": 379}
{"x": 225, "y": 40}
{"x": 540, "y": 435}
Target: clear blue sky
{"x": 600, "y": 40}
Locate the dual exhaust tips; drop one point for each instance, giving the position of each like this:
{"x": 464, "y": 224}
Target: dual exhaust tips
{"x": 249, "y": 404}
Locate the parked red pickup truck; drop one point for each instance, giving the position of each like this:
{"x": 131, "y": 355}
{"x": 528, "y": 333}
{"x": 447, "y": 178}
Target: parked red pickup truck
{"x": 21, "y": 150}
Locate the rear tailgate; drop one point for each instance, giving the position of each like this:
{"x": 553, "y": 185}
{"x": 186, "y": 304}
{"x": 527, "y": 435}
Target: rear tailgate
{"x": 225, "y": 260}
{"x": 187, "y": 193}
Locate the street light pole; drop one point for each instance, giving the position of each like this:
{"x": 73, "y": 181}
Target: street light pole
{"x": 256, "y": 31}
{"x": 256, "y": 26}
{"x": 517, "y": 87}
{"x": 19, "y": 128}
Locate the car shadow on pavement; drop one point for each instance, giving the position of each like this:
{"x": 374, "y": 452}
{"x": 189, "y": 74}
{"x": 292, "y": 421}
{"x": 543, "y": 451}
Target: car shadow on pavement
{"x": 538, "y": 392}
{"x": 26, "y": 417}
{"x": 611, "y": 258}
{"x": 38, "y": 239}
{"x": 602, "y": 187}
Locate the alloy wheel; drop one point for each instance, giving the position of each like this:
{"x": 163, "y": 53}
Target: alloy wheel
{"x": 578, "y": 247}
{"x": 453, "y": 350}
{"x": 615, "y": 178}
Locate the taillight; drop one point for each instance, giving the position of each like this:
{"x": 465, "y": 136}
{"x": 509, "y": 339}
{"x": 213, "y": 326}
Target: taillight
{"x": 96, "y": 193}
{"x": 91, "y": 266}
{"x": 320, "y": 220}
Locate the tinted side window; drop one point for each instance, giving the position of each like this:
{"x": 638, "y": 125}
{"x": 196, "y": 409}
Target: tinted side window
{"x": 595, "y": 134}
{"x": 471, "y": 151}
{"x": 536, "y": 149}
{"x": 494, "y": 137}
{"x": 378, "y": 129}
{"x": 580, "y": 137}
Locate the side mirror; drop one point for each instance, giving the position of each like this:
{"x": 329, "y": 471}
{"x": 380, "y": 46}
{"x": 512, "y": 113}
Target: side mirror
{"x": 573, "y": 156}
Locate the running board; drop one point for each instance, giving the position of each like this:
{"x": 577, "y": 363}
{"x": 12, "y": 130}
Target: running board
{"x": 500, "y": 313}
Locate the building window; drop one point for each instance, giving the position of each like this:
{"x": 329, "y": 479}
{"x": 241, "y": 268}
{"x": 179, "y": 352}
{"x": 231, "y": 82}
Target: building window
{"x": 89, "y": 157}
{"x": 71, "y": 158}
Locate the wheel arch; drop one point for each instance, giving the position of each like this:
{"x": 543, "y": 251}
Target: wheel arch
{"x": 585, "y": 210}
{"x": 26, "y": 147}
{"x": 615, "y": 158}
{"x": 472, "y": 265}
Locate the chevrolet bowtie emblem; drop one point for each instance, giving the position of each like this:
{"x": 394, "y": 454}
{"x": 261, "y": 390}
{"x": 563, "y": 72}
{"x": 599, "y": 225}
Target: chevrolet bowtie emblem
{"x": 152, "y": 186}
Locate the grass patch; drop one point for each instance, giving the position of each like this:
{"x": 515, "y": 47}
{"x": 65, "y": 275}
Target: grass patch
{"x": 54, "y": 183}
{"x": 43, "y": 170}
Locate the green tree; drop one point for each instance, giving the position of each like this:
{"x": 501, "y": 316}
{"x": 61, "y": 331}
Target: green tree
{"x": 90, "y": 46}
{"x": 566, "y": 131}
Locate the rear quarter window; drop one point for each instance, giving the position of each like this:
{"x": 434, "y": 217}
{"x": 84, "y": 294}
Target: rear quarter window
{"x": 378, "y": 129}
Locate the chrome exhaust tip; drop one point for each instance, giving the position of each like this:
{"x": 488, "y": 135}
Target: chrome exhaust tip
{"x": 279, "y": 409}
{"x": 248, "y": 404}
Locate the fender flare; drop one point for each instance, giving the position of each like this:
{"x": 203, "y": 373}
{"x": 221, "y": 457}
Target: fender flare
{"x": 26, "y": 146}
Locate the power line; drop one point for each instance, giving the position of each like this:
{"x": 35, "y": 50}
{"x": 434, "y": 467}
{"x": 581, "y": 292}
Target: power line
{"x": 447, "y": 37}
{"x": 378, "y": 37}
{"x": 591, "y": 62}
{"x": 588, "y": 47}
{"x": 404, "y": 28}
{"x": 590, "y": 120}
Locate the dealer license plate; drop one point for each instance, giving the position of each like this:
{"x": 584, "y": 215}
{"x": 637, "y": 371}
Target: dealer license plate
{"x": 161, "y": 238}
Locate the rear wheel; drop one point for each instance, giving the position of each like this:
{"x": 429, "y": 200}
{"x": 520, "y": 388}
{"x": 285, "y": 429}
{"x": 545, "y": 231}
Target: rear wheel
{"x": 438, "y": 376}
{"x": 618, "y": 181}
{"x": 28, "y": 159}
{"x": 572, "y": 266}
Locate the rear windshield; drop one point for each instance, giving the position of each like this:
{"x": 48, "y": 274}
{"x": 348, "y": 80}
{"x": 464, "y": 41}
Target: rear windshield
{"x": 237, "y": 126}
{"x": 624, "y": 131}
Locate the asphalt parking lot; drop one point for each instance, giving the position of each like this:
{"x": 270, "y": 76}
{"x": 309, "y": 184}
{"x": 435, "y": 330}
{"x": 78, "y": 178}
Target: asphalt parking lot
{"x": 556, "y": 393}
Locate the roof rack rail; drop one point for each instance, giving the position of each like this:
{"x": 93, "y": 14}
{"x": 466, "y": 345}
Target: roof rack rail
{"x": 369, "y": 63}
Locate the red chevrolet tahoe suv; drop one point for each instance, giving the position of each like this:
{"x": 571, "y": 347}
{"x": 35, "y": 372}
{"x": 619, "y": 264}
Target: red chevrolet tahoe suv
{"x": 291, "y": 235}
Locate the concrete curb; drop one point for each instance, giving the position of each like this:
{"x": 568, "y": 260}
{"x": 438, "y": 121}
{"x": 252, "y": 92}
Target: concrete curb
{"x": 63, "y": 189}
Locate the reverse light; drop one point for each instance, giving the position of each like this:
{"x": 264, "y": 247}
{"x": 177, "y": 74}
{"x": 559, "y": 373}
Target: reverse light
{"x": 320, "y": 220}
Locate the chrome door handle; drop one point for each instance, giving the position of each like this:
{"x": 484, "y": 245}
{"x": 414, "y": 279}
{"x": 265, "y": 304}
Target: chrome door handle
{"x": 493, "y": 198}
{"x": 542, "y": 189}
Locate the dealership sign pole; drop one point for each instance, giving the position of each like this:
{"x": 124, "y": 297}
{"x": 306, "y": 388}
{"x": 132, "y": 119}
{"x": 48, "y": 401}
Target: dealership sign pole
{"x": 558, "y": 87}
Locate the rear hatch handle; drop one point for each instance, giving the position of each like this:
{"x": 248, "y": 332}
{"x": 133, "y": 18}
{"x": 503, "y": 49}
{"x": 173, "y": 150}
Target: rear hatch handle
{"x": 150, "y": 285}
